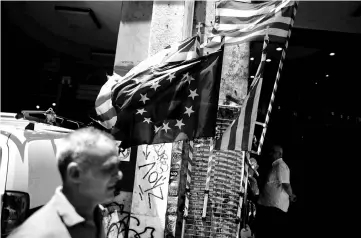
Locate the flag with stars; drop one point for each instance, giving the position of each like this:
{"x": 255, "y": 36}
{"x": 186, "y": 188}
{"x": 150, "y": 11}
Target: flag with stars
{"x": 167, "y": 103}
{"x": 187, "y": 49}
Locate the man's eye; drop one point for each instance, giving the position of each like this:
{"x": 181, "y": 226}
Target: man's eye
{"x": 109, "y": 170}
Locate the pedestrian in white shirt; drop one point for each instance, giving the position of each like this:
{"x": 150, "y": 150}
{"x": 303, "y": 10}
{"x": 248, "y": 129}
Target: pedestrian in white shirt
{"x": 88, "y": 163}
{"x": 274, "y": 199}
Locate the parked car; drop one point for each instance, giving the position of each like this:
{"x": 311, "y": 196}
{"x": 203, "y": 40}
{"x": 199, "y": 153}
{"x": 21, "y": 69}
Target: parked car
{"x": 28, "y": 167}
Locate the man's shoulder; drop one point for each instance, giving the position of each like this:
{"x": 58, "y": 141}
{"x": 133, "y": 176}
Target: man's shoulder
{"x": 43, "y": 223}
{"x": 281, "y": 164}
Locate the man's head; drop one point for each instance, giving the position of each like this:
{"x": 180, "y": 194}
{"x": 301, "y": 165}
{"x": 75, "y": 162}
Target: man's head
{"x": 276, "y": 152}
{"x": 88, "y": 164}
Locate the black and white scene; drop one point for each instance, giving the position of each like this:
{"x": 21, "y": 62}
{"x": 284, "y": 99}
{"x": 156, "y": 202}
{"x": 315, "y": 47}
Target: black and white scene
{"x": 180, "y": 119}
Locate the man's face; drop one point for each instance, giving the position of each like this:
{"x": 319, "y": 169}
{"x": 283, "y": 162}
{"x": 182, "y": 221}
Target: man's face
{"x": 276, "y": 153}
{"x": 99, "y": 179}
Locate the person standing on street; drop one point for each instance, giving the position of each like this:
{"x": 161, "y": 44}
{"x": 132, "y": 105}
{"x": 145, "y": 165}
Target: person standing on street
{"x": 275, "y": 196}
{"x": 88, "y": 164}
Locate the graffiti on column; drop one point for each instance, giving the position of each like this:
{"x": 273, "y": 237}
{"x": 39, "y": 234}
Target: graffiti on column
{"x": 117, "y": 219}
{"x": 155, "y": 174}
{"x": 150, "y": 189}
{"x": 121, "y": 227}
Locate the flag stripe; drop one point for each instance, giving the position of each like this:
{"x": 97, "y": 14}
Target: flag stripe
{"x": 187, "y": 50}
{"x": 240, "y": 22}
{"x": 104, "y": 107}
{"x": 247, "y": 144}
{"x": 102, "y": 99}
{"x": 243, "y": 24}
{"x": 109, "y": 123}
{"x": 252, "y": 20}
{"x": 258, "y": 35}
{"x": 108, "y": 115}
{"x": 249, "y": 114}
{"x": 233, "y": 136}
{"x": 233, "y": 32}
{"x": 234, "y": 8}
{"x": 106, "y": 91}
{"x": 275, "y": 35}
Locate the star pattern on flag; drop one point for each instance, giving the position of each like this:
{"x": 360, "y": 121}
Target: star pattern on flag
{"x": 155, "y": 86}
{"x": 193, "y": 93}
{"x": 144, "y": 98}
{"x": 147, "y": 120}
{"x": 171, "y": 77}
{"x": 189, "y": 79}
{"x": 185, "y": 76}
{"x": 164, "y": 99}
{"x": 166, "y": 127}
{"x": 156, "y": 128}
{"x": 179, "y": 124}
{"x": 141, "y": 111}
{"x": 189, "y": 111}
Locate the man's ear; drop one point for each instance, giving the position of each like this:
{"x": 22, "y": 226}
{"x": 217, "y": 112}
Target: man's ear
{"x": 73, "y": 172}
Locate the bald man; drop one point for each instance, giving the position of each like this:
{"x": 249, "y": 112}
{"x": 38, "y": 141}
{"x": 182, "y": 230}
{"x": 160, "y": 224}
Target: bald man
{"x": 275, "y": 197}
{"x": 88, "y": 165}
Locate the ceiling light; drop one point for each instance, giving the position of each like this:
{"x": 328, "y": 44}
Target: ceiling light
{"x": 54, "y": 104}
{"x": 268, "y": 60}
{"x": 279, "y": 49}
{"x": 327, "y": 75}
{"x": 251, "y": 58}
{"x": 37, "y": 106}
{"x": 332, "y": 54}
{"x": 316, "y": 83}
{"x": 252, "y": 76}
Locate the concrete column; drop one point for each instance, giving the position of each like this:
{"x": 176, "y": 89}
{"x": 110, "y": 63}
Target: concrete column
{"x": 223, "y": 196}
{"x": 167, "y": 25}
{"x": 132, "y": 48}
{"x": 157, "y": 211}
{"x": 133, "y": 35}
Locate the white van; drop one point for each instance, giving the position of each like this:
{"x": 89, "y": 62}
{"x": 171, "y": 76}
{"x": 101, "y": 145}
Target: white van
{"x": 28, "y": 168}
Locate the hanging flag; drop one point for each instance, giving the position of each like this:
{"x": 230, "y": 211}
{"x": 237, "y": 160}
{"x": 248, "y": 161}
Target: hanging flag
{"x": 239, "y": 135}
{"x": 179, "y": 52}
{"x": 168, "y": 103}
{"x": 240, "y": 22}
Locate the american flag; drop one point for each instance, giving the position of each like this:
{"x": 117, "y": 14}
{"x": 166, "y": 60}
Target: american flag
{"x": 179, "y": 52}
{"x": 239, "y": 135}
{"x": 240, "y": 22}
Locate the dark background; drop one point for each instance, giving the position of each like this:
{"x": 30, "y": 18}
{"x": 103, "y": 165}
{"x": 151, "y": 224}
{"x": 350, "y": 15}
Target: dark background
{"x": 317, "y": 120}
